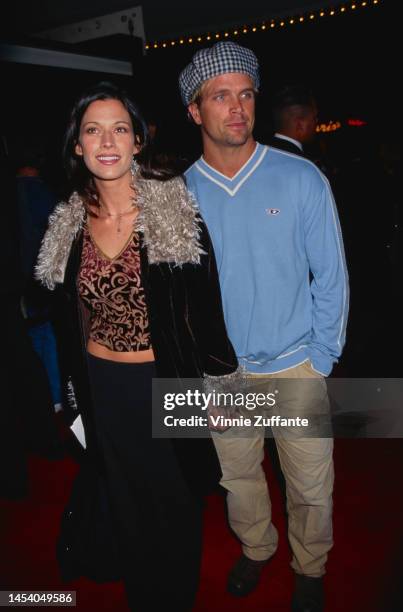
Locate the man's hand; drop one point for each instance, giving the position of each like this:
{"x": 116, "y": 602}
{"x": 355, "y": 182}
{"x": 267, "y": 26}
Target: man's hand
{"x": 222, "y": 417}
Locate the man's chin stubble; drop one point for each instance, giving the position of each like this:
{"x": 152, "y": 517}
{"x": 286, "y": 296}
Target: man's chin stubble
{"x": 237, "y": 141}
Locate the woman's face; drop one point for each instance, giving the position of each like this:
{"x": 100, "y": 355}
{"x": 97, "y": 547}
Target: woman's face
{"x": 106, "y": 140}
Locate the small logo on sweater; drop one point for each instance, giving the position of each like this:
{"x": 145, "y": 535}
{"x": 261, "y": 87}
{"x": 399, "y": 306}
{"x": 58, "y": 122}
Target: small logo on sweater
{"x": 273, "y": 211}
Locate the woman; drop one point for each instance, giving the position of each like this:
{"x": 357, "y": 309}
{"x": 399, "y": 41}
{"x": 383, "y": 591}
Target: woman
{"x": 138, "y": 279}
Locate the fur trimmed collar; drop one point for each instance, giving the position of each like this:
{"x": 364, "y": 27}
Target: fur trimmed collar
{"x": 168, "y": 218}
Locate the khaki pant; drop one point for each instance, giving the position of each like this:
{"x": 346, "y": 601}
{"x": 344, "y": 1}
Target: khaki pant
{"x": 307, "y": 466}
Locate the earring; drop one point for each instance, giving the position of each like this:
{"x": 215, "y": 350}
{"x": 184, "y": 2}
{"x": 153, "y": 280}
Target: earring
{"x": 134, "y": 168}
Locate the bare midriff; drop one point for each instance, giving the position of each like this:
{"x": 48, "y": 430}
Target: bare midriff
{"x": 98, "y": 350}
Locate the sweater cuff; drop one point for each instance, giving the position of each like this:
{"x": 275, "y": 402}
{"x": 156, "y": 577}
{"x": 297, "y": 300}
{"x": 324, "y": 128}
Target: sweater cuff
{"x": 323, "y": 364}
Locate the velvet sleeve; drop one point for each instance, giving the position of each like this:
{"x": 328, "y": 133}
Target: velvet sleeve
{"x": 206, "y": 316}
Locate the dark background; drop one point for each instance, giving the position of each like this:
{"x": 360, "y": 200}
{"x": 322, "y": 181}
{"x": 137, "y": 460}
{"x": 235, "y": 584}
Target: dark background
{"x": 350, "y": 61}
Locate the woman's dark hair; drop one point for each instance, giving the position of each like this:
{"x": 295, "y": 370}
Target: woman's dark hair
{"x": 151, "y": 165}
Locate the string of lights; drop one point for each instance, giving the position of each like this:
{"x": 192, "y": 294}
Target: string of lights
{"x": 268, "y": 25}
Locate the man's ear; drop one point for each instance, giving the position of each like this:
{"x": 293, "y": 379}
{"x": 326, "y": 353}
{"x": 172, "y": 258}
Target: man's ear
{"x": 194, "y": 112}
{"x": 78, "y": 149}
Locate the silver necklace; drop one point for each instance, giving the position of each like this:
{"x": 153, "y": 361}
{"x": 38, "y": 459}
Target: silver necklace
{"x": 119, "y": 215}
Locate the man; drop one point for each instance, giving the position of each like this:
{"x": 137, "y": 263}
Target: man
{"x": 295, "y": 117}
{"x": 272, "y": 220}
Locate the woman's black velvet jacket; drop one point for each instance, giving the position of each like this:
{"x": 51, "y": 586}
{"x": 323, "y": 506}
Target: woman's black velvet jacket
{"x": 187, "y": 328}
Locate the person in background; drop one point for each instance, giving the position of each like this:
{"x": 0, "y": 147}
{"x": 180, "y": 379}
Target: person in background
{"x": 139, "y": 293}
{"x": 26, "y": 415}
{"x": 36, "y": 201}
{"x": 273, "y": 222}
{"x": 295, "y": 117}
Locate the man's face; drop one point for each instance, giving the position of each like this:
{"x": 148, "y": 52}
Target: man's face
{"x": 226, "y": 112}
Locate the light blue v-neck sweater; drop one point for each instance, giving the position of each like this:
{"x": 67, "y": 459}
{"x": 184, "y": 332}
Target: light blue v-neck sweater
{"x": 271, "y": 224}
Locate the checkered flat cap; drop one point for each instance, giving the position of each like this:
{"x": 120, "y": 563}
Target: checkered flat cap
{"x": 221, "y": 58}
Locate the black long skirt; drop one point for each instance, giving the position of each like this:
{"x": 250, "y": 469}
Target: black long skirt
{"x": 156, "y": 518}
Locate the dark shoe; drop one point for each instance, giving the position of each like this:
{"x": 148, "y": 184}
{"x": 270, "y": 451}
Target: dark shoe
{"x": 244, "y": 576}
{"x": 308, "y": 594}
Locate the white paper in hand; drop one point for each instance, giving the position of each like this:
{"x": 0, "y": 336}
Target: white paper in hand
{"x": 78, "y": 430}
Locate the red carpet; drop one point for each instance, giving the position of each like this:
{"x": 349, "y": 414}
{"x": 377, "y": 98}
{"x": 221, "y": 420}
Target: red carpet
{"x": 364, "y": 570}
